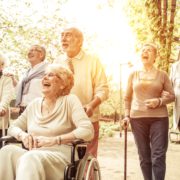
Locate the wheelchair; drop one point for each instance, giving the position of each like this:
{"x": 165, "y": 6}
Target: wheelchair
{"x": 86, "y": 167}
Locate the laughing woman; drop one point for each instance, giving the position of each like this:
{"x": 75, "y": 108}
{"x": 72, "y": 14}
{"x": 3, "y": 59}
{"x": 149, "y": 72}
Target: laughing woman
{"x": 45, "y": 127}
{"x": 148, "y": 92}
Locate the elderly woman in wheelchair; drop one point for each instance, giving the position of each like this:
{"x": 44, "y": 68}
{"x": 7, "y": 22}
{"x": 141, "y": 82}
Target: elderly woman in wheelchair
{"x": 46, "y": 128}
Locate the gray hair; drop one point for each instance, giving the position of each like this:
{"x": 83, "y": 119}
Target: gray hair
{"x": 77, "y": 33}
{"x": 154, "y": 46}
{"x": 41, "y": 49}
{"x": 65, "y": 75}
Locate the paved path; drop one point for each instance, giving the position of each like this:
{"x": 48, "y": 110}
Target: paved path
{"x": 111, "y": 153}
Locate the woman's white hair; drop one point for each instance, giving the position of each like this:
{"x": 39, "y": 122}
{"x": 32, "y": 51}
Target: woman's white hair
{"x": 65, "y": 75}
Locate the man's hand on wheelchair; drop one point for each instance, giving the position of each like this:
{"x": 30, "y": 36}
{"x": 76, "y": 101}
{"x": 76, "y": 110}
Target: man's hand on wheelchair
{"x": 125, "y": 122}
{"x": 89, "y": 110}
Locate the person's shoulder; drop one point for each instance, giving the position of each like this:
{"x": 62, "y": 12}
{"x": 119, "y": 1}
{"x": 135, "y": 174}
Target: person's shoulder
{"x": 162, "y": 71}
{"x": 90, "y": 56}
{"x": 60, "y": 59}
{"x": 35, "y": 102}
{"x": 44, "y": 64}
{"x": 6, "y": 78}
{"x": 175, "y": 64}
{"x": 72, "y": 97}
{"x": 37, "y": 99}
{"x": 133, "y": 71}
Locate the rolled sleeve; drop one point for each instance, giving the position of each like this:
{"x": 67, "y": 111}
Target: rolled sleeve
{"x": 85, "y": 131}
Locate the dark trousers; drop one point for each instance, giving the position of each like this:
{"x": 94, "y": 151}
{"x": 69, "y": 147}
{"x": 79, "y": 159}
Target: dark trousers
{"x": 151, "y": 137}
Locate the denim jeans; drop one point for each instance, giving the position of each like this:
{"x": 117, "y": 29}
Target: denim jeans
{"x": 151, "y": 137}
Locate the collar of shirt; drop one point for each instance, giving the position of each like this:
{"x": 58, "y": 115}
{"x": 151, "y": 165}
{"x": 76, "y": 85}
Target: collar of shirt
{"x": 35, "y": 67}
{"x": 142, "y": 69}
{"x": 78, "y": 56}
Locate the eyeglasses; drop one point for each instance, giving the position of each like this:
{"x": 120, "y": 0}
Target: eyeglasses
{"x": 51, "y": 75}
{"x": 37, "y": 50}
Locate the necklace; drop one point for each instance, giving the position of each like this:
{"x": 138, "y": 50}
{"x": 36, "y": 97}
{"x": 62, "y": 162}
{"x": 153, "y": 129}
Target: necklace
{"x": 47, "y": 108}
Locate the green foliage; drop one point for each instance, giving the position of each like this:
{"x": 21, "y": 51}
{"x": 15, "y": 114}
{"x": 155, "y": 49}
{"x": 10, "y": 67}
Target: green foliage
{"x": 107, "y": 129}
{"x": 19, "y": 32}
{"x": 150, "y": 25}
{"x": 112, "y": 105}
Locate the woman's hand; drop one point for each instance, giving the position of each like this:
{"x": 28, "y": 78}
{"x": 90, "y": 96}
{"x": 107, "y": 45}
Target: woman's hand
{"x": 32, "y": 142}
{"x": 152, "y": 103}
{"x": 166, "y": 94}
{"x": 43, "y": 141}
{"x": 12, "y": 76}
{"x": 126, "y": 121}
{"x": 27, "y": 140}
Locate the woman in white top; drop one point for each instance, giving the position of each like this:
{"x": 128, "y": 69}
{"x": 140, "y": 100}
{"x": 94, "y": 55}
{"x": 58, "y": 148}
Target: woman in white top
{"x": 175, "y": 79}
{"x": 45, "y": 128}
{"x": 6, "y": 95}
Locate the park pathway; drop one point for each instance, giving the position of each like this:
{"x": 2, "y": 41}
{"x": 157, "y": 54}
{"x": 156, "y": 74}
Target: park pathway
{"x": 111, "y": 153}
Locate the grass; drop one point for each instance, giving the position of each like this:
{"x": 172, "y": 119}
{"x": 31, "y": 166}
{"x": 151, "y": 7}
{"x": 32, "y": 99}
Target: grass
{"x": 107, "y": 129}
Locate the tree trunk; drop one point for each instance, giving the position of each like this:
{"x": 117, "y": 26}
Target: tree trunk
{"x": 171, "y": 27}
{"x": 164, "y": 23}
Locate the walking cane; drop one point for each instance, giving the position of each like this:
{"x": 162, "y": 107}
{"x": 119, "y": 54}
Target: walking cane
{"x": 125, "y": 150}
{"x": 3, "y": 128}
{"x": 4, "y": 124}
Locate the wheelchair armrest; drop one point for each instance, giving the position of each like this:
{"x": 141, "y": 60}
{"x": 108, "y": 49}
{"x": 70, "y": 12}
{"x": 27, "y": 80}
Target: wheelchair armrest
{"x": 80, "y": 145}
{"x": 9, "y": 139}
{"x": 79, "y": 142}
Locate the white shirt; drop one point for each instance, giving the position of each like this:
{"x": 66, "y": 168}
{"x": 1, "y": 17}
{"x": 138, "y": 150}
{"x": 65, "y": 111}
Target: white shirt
{"x": 35, "y": 88}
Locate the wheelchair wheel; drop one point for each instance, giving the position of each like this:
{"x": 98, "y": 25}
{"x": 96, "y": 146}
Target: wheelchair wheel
{"x": 88, "y": 169}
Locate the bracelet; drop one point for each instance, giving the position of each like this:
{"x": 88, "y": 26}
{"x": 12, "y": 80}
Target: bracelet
{"x": 58, "y": 140}
{"x": 160, "y": 102}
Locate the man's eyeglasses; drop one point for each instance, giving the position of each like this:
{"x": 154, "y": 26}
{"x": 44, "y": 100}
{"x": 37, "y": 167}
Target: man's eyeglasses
{"x": 32, "y": 50}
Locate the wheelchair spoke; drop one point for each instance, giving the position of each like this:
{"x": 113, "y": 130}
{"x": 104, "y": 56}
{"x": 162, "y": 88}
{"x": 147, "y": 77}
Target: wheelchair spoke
{"x": 88, "y": 169}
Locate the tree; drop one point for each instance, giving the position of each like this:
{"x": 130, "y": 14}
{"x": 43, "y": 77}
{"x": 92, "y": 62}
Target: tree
{"x": 19, "y": 30}
{"x": 156, "y": 21}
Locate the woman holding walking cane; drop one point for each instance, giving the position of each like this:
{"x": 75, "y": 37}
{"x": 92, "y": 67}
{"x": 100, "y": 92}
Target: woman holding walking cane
{"x": 148, "y": 92}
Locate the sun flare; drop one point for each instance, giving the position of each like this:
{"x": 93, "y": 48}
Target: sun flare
{"x": 114, "y": 42}
{"x": 103, "y": 21}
